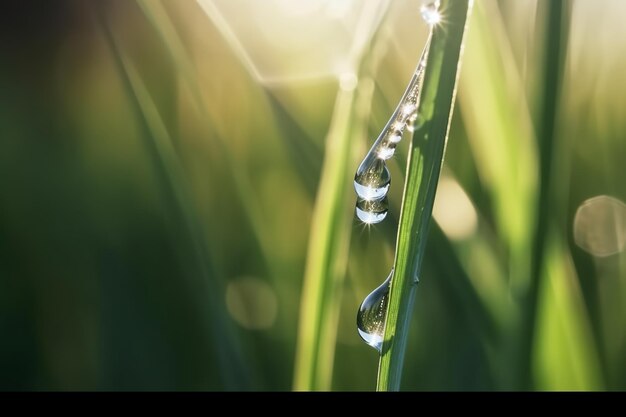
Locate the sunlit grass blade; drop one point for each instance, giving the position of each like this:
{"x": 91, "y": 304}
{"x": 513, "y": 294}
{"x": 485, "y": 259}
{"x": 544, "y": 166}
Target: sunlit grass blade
{"x": 327, "y": 257}
{"x": 500, "y": 134}
{"x": 425, "y": 160}
{"x": 159, "y": 18}
{"x": 564, "y": 355}
{"x": 209, "y": 289}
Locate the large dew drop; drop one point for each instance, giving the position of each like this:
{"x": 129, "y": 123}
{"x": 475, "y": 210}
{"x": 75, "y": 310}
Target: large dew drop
{"x": 372, "y": 212}
{"x": 370, "y": 320}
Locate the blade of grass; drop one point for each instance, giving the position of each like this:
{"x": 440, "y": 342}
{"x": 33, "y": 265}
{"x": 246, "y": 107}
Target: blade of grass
{"x": 550, "y": 191}
{"x": 425, "y": 160}
{"x": 565, "y": 356}
{"x": 500, "y": 134}
{"x": 327, "y": 256}
{"x": 158, "y": 16}
{"x": 561, "y": 348}
{"x": 229, "y": 355}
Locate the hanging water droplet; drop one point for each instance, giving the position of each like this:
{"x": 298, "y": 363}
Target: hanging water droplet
{"x": 430, "y": 11}
{"x": 370, "y": 320}
{"x": 372, "y": 179}
{"x": 372, "y": 212}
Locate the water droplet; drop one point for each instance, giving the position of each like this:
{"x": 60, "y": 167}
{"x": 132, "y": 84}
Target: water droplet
{"x": 372, "y": 212}
{"x": 408, "y": 109}
{"x": 396, "y": 136}
{"x": 386, "y": 150}
{"x": 410, "y": 124}
{"x": 430, "y": 12}
{"x": 372, "y": 179}
{"x": 370, "y": 320}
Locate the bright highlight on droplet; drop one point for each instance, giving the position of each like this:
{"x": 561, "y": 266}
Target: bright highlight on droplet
{"x": 430, "y": 12}
{"x": 252, "y": 303}
{"x": 409, "y": 109}
{"x": 386, "y": 152}
{"x": 453, "y": 210}
{"x": 600, "y": 226}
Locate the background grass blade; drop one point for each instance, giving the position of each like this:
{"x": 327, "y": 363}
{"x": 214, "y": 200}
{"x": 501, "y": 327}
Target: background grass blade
{"x": 166, "y": 161}
{"x": 327, "y": 257}
{"x": 425, "y": 160}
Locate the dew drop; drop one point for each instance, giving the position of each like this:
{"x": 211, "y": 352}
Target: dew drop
{"x": 372, "y": 212}
{"x": 372, "y": 179}
{"x": 386, "y": 150}
{"x": 430, "y": 11}
{"x": 396, "y": 136}
{"x": 370, "y": 320}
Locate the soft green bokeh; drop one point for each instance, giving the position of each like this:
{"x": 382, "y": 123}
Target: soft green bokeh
{"x": 158, "y": 184}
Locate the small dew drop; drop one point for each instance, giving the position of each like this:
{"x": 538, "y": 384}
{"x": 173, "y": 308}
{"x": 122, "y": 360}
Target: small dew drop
{"x": 409, "y": 109}
{"x": 430, "y": 12}
{"x": 372, "y": 179}
{"x": 395, "y": 137}
{"x": 386, "y": 151}
{"x": 370, "y": 320}
{"x": 372, "y": 212}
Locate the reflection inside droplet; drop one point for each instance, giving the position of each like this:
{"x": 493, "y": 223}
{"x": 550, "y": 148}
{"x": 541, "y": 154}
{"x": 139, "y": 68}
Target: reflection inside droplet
{"x": 386, "y": 150}
{"x": 372, "y": 212}
{"x": 600, "y": 226}
{"x": 370, "y": 320}
{"x": 372, "y": 179}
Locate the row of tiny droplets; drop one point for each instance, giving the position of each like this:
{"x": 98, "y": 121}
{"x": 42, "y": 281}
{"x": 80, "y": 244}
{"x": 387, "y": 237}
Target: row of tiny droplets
{"x": 372, "y": 181}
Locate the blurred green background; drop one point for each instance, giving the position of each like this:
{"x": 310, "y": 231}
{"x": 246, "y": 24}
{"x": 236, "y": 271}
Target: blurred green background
{"x": 160, "y": 165}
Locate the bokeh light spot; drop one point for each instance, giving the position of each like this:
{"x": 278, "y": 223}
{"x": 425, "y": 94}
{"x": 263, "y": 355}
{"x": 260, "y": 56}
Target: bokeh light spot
{"x": 600, "y": 226}
{"x": 252, "y": 303}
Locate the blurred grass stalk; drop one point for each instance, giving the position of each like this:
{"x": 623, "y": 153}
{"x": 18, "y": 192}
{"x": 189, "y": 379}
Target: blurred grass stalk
{"x": 425, "y": 160}
{"x": 229, "y": 355}
{"x": 502, "y": 141}
{"x": 327, "y": 256}
{"x": 561, "y": 353}
{"x": 329, "y": 242}
{"x": 525, "y": 168}
{"x": 157, "y": 15}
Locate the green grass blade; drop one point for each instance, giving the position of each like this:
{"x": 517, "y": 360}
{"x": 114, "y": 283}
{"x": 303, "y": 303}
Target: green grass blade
{"x": 327, "y": 256}
{"x": 564, "y": 354}
{"x": 229, "y": 357}
{"x": 498, "y": 121}
{"x": 158, "y": 16}
{"x": 425, "y": 159}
